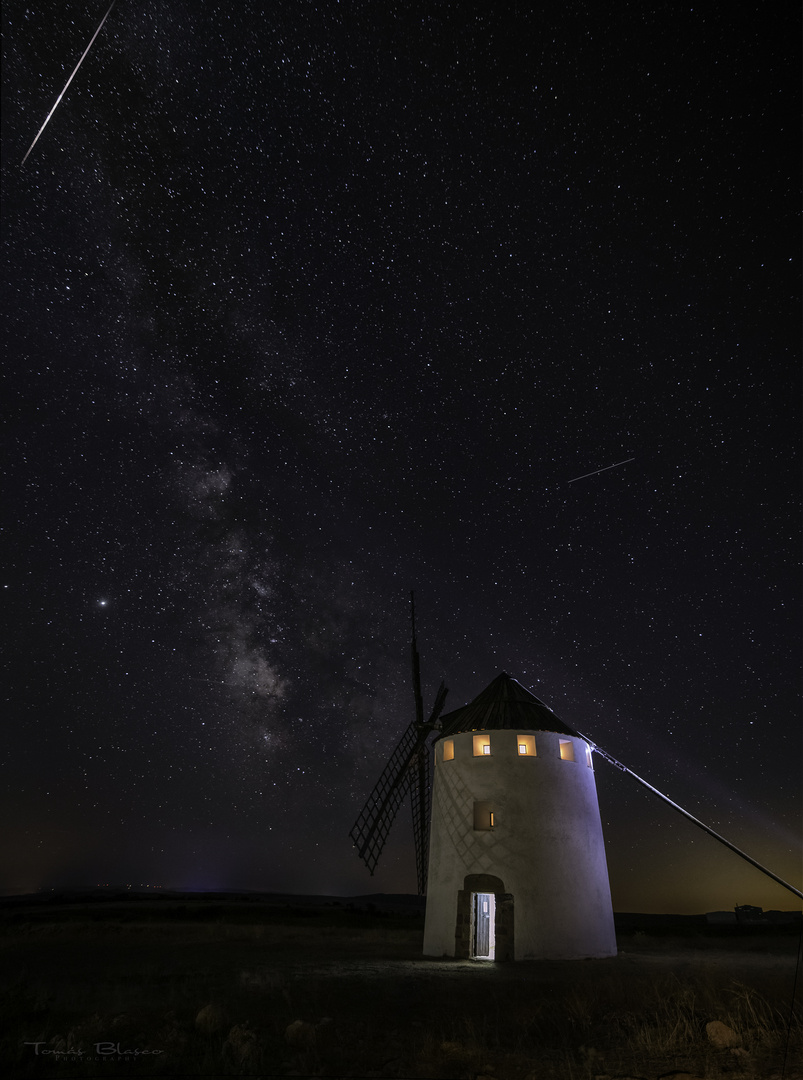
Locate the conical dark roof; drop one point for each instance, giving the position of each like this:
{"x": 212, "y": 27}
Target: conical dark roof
{"x": 503, "y": 704}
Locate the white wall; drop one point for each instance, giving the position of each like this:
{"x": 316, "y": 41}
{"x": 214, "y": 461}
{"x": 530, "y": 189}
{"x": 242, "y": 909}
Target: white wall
{"x": 547, "y": 846}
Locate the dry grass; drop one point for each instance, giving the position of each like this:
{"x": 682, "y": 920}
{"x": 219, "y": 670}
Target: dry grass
{"x": 369, "y": 1006}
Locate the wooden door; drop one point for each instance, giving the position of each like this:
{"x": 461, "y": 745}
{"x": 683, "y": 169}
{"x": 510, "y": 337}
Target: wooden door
{"x": 482, "y": 924}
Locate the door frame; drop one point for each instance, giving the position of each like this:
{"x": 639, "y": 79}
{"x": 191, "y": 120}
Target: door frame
{"x": 503, "y": 922}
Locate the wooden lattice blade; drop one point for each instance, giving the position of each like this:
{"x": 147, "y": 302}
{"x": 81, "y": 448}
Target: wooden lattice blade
{"x": 373, "y": 823}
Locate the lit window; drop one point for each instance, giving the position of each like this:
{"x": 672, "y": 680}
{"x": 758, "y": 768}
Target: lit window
{"x": 482, "y": 745}
{"x": 588, "y": 757}
{"x": 448, "y": 749}
{"x": 567, "y": 749}
{"x": 483, "y": 816}
{"x": 526, "y": 744}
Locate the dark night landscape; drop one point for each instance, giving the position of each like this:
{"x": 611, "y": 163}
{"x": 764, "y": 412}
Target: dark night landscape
{"x": 309, "y": 305}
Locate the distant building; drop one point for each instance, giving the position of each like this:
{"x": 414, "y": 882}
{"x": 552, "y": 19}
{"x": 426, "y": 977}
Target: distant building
{"x": 721, "y": 918}
{"x": 782, "y": 918}
{"x": 746, "y": 913}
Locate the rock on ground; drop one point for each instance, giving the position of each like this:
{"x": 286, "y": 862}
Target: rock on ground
{"x": 211, "y": 1018}
{"x": 300, "y": 1033}
{"x": 721, "y": 1036}
{"x": 242, "y": 1044}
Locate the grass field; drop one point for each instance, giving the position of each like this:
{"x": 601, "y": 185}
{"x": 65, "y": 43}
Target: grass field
{"x": 237, "y": 988}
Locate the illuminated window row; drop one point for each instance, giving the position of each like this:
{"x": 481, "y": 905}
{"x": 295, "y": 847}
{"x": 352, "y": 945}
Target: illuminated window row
{"x": 525, "y": 745}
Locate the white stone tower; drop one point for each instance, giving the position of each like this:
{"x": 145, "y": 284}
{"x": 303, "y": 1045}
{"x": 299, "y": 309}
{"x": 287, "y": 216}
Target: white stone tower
{"x": 517, "y": 865}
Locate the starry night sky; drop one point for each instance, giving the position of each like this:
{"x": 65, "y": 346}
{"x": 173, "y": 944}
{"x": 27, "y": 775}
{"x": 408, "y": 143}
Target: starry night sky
{"x": 309, "y": 304}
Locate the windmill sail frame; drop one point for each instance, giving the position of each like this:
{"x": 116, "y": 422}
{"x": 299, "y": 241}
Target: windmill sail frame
{"x": 408, "y": 771}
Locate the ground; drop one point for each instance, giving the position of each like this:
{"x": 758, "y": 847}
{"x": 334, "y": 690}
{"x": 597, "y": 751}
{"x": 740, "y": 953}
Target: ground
{"x": 268, "y": 987}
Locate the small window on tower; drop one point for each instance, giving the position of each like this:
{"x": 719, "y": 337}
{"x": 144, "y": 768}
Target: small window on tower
{"x": 483, "y": 816}
{"x": 482, "y": 745}
{"x": 526, "y": 745}
{"x": 588, "y": 758}
{"x": 448, "y": 749}
{"x": 567, "y": 749}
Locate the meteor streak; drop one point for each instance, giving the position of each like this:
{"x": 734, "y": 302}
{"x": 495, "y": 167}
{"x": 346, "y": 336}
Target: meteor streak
{"x": 64, "y": 91}
{"x": 605, "y": 469}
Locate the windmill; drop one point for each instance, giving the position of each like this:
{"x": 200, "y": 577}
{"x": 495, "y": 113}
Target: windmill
{"x": 510, "y": 843}
{"x": 517, "y": 866}
{"x": 406, "y": 773}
